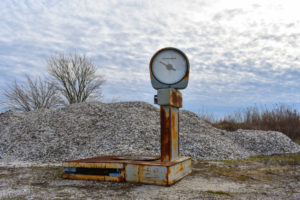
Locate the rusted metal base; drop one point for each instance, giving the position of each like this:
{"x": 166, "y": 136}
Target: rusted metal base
{"x": 135, "y": 169}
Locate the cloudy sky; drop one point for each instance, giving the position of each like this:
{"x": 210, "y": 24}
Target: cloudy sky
{"x": 241, "y": 52}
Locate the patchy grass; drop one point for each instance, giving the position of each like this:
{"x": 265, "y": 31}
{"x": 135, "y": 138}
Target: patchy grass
{"x": 225, "y": 170}
{"x": 256, "y": 168}
{"x": 219, "y": 192}
{"x": 282, "y": 159}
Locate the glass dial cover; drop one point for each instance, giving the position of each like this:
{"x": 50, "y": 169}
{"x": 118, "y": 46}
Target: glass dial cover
{"x": 169, "y": 66}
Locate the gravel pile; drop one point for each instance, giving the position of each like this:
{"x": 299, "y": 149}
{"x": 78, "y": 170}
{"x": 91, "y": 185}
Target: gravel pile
{"x": 92, "y": 129}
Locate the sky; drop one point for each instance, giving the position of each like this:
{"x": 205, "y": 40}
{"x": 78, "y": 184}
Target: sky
{"x": 241, "y": 53}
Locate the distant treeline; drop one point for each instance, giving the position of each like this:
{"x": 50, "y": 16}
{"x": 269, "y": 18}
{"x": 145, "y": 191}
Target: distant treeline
{"x": 280, "y": 118}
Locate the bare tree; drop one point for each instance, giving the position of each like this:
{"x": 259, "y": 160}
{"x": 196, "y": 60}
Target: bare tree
{"x": 31, "y": 95}
{"x": 76, "y": 77}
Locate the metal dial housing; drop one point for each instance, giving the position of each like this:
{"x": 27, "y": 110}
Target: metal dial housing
{"x": 169, "y": 68}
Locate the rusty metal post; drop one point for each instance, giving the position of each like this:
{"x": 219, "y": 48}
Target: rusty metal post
{"x": 170, "y": 100}
{"x": 169, "y": 133}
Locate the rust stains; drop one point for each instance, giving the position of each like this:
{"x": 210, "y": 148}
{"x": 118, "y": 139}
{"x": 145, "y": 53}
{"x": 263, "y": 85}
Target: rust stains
{"x": 114, "y": 161}
{"x": 186, "y": 77}
{"x": 92, "y": 177}
{"x": 168, "y": 175}
{"x": 180, "y": 169}
{"x": 165, "y": 133}
{"x": 140, "y": 172}
{"x": 174, "y": 130}
{"x": 138, "y": 157}
{"x": 178, "y": 141}
{"x": 93, "y": 165}
{"x": 169, "y": 134}
{"x": 176, "y": 99}
{"x": 174, "y": 125}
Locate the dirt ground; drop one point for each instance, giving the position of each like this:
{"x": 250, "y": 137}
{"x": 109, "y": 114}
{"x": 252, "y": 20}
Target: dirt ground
{"x": 260, "y": 177}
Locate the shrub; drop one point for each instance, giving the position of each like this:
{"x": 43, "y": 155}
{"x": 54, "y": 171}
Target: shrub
{"x": 280, "y": 118}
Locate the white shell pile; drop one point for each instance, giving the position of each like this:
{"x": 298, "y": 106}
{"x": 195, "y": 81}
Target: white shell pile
{"x": 92, "y": 129}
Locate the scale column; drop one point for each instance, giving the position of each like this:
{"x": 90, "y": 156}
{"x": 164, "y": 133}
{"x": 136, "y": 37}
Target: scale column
{"x": 170, "y": 100}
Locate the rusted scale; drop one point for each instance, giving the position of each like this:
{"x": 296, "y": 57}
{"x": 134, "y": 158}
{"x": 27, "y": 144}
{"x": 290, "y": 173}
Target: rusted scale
{"x": 169, "y": 71}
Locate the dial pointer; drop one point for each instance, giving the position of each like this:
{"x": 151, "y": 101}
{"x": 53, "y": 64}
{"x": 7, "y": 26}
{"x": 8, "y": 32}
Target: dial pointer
{"x": 168, "y": 66}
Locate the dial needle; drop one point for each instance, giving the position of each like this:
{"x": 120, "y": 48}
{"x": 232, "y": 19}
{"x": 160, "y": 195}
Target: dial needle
{"x": 168, "y": 66}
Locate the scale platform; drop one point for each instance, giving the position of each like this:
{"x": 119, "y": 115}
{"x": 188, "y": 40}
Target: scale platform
{"x": 135, "y": 169}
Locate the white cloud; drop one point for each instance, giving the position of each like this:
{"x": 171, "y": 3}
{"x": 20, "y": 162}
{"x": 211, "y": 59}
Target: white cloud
{"x": 239, "y": 50}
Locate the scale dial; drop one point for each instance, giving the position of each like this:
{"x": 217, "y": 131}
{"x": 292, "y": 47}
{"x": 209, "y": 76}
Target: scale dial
{"x": 169, "y": 66}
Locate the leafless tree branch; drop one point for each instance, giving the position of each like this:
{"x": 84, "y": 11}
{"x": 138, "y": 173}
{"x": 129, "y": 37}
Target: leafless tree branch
{"x": 31, "y": 95}
{"x": 75, "y": 76}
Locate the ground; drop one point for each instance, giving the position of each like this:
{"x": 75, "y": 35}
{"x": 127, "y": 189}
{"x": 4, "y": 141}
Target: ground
{"x": 260, "y": 177}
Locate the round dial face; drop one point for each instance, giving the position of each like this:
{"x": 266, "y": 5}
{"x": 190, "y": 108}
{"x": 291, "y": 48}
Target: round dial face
{"x": 169, "y": 66}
